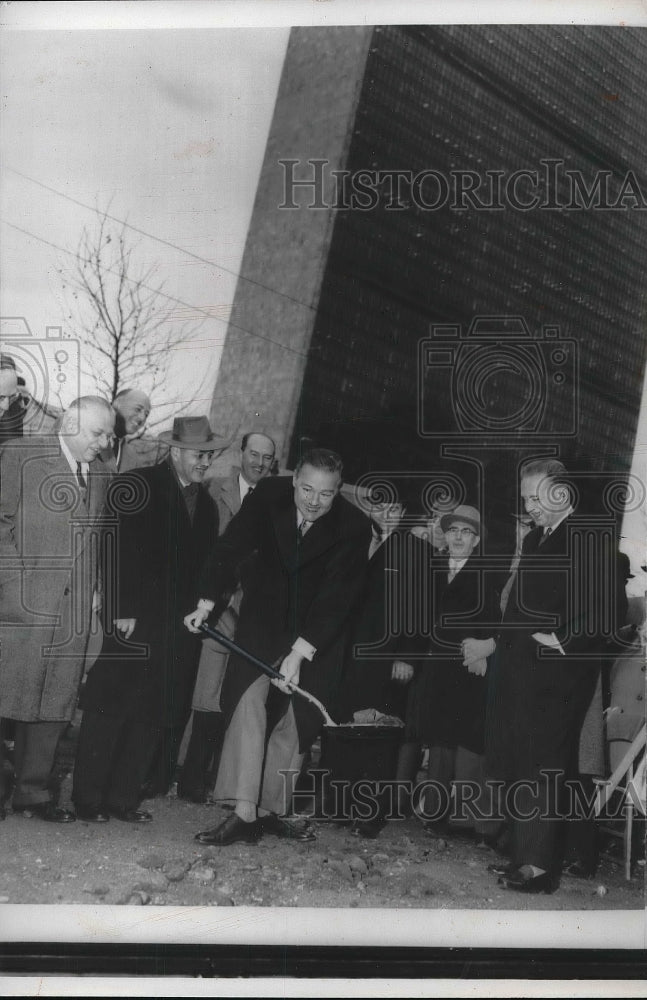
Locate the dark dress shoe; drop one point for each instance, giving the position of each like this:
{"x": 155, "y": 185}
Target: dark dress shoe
{"x": 89, "y": 815}
{"x": 521, "y": 882}
{"x": 130, "y": 815}
{"x": 577, "y": 869}
{"x": 47, "y": 811}
{"x": 288, "y": 829}
{"x": 230, "y": 831}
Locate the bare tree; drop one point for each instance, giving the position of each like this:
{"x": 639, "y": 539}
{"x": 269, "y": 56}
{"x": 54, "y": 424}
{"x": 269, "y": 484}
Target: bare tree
{"x": 122, "y": 316}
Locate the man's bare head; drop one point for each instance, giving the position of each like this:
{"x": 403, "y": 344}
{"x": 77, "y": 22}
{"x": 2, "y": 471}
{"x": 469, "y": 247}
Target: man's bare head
{"x": 87, "y": 425}
{"x": 132, "y": 407}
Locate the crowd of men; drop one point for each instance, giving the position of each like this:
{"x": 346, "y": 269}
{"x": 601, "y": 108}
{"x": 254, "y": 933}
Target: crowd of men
{"x": 128, "y": 546}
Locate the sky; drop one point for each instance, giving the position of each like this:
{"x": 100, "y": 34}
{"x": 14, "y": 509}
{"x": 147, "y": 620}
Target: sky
{"x": 168, "y": 129}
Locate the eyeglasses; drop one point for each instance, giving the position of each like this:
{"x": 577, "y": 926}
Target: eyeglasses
{"x": 463, "y": 532}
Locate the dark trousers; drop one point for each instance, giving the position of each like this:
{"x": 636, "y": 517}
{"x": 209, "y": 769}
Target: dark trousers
{"x": 113, "y": 758}
{"x": 34, "y": 754}
{"x": 202, "y": 754}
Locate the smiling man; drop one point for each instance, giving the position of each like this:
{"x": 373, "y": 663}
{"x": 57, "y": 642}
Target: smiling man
{"x": 310, "y": 550}
{"x": 51, "y": 510}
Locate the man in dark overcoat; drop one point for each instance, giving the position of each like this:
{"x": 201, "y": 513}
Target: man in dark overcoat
{"x": 546, "y": 667}
{"x": 310, "y": 562}
{"x": 51, "y": 523}
{"x": 137, "y": 696}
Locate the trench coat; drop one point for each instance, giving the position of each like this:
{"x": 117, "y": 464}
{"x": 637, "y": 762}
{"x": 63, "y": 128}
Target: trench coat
{"x": 50, "y": 540}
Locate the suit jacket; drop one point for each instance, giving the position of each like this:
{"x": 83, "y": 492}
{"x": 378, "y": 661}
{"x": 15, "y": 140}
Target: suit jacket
{"x": 225, "y": 491}
{"x": 50, "y": 538}
{"x": 537, "y": 702}
{"x": 304, "y": 587}
{"x": 386, "y": 626}
{"x": 160, "y": 556}
{"x": 448, "y": 702}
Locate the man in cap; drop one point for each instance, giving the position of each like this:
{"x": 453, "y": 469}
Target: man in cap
{"x": 207, "y": 726}
{"x": 137, "y": 696}
{"x": 51, "y": 520}
{"x": 450, "y": 690}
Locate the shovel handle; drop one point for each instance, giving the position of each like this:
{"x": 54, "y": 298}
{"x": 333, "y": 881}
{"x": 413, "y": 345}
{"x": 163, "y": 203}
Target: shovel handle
{"x": 233, "y": 647}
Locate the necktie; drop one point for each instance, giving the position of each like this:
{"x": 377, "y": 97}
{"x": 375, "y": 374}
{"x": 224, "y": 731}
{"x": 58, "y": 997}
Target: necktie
{"x": 303, "y": 527}
{"x": 81, "y": 480}
{"x": 545, "y": 536}
{"x": 191, "y": 498}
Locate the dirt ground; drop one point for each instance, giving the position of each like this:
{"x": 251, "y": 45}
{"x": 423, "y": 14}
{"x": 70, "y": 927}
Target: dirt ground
{"x": 161, "y": 864}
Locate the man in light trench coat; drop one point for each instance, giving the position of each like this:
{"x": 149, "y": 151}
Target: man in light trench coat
{"x": 51, "y": 507}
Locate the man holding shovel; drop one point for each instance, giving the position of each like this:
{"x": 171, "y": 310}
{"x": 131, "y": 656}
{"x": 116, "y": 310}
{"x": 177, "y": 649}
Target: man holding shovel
{"x": 311, "y": 548}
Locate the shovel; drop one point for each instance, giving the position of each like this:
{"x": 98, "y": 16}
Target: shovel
{"x": 265, "y": 668}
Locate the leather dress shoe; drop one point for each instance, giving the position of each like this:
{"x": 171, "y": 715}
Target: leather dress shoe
{"x": 89, "y": 815}
{"x": 230, "y": 831}
{"x": 130, "y": 815}
{"x": 521, "y": 882}
{"x": 47, "y": 811}
{"x": 288, "y": 829}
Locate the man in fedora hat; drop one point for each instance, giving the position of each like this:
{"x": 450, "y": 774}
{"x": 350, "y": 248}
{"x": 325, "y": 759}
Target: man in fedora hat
{"x": 137, "y": 696}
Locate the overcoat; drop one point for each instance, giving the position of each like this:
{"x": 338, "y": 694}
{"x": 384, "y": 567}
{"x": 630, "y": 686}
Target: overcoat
{"x": 50, "y": 539}
{"x": 447, "y": 702}
{"x": 390, "y": 624}
{"x": 299, "y": 587}
{"x": 160, "y": 556}
{"x": 226, "y": 493}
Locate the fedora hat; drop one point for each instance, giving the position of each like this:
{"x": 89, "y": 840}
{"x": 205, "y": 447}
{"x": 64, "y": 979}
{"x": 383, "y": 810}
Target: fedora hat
{"x": 466, "y": 515}
{"x": 193, "y": 432}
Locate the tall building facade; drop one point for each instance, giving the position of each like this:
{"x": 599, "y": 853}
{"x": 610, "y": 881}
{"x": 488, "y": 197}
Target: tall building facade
{"x": 447, "y": 253}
